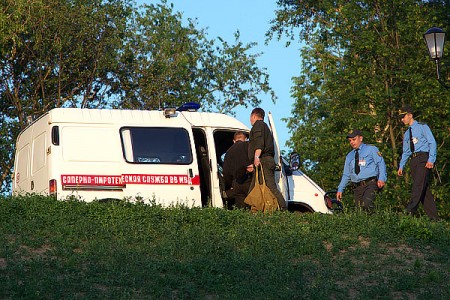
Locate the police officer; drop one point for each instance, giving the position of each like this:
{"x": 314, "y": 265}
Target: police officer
{"x": 420, "y": 145}
{"x": 365, "y": 168}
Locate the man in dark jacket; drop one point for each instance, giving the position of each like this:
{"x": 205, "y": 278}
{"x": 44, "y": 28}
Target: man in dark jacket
{"x": 262, "y": 151}
{"x": 237, "y": 170}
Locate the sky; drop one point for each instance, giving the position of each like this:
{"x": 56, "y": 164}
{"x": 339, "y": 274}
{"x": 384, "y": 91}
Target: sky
{"x": 252, "y": 19}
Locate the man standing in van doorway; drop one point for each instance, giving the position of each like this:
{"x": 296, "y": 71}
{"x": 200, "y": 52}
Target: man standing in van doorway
{"x": 365, "y": 168}
{"x": 262, "y": 151}
{"x": 237, "y": 170}
{"x": 420, "y": 145}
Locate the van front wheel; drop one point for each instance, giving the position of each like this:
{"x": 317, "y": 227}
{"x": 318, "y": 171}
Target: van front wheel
{"x": 299, "y": 208}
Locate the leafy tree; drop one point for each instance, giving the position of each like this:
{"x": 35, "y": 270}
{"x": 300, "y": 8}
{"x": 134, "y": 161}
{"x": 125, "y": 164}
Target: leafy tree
{"x": 60, "y": 55}
{"x": 362, "y": 61}
{"x": 167, "y": 63}
{"x": 109, "y": 53}
{"x": 52, "y": 54}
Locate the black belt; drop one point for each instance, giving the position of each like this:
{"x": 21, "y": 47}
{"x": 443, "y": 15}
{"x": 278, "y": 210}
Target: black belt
{"x": 418, "y": 154}
{"x": 364, "y": 182}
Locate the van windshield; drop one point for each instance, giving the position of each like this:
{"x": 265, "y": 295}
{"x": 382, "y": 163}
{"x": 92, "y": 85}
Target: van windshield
{"x": 156, "y": 145}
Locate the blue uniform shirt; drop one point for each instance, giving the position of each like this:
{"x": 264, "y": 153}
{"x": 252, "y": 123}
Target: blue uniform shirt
{"x": 371, "y": 164}
{"x": 423, "y": 141}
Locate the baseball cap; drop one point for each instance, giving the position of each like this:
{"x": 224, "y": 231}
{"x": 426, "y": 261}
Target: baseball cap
{"x": 354, "y": 133}
{"x": 404, "y": 110}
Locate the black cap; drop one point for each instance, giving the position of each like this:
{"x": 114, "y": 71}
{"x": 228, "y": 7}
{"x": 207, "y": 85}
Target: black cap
{"x": 354, "y": 133}
{"x": 404, "y": 110}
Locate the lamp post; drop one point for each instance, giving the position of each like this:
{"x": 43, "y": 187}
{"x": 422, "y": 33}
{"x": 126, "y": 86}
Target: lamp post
{"x": 435, "y": 38}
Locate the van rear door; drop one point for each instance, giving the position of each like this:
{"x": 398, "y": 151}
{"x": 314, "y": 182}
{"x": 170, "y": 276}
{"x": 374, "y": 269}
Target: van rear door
{"x": 22, "y": 176}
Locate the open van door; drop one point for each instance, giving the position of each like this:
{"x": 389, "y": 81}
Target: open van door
{"x": 280, "y": 175}
{"x": 275, "y": 139}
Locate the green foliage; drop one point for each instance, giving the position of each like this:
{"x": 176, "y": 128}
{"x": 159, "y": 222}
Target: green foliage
{"x": 61, "y": 54}
{"x": 7, "y": 148}
{"x": 362, "y": 61}
{"x": 96, "y": 54}
{"x": 166, "y": 63}
{"x": 70, "y": 249}
{"x": 53, "y": 54}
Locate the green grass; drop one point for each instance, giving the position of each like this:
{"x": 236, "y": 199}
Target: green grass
{"x": 73, "y": 250}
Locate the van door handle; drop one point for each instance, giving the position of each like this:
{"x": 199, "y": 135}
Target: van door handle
{"x": 191, "y": 174}
{"x": 32, "y": 185}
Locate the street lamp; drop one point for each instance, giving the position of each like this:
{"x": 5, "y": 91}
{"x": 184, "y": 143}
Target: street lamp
{"x": 435, "y": 38}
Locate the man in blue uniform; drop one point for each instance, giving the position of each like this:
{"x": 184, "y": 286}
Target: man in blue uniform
{"x": 365, "y": 168}
{"x": 420, "y": 145}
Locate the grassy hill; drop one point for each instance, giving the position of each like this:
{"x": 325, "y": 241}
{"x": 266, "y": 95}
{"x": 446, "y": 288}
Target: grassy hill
{"x": 73, "y": 250}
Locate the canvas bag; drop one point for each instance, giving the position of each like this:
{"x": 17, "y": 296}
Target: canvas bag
{"x": 261, "y": 197}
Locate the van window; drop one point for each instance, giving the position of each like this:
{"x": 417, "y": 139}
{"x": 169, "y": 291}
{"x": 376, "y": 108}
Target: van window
{"x": 156, "y": 145}
{"x": 55, "y": 135}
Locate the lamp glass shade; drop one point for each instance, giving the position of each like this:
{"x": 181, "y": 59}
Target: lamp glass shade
{"x": 434, "y": 37}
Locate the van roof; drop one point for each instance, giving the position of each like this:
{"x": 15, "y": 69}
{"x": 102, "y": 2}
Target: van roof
{"x": 141, "y": 117}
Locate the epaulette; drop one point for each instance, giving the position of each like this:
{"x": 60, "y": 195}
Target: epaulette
{"x": 421, "y": 123}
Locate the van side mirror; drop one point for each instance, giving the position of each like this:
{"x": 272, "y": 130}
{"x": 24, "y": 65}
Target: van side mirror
{"x": 294, "y": 161}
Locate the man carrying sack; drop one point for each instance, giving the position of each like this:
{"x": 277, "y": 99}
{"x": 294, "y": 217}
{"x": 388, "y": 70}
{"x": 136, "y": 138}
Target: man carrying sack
{"x": 260, "y": 197}
{"x": 261, "y": 151}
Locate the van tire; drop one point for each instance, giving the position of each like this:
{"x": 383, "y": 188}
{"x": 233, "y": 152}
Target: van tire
{"x": 299, "y": 208}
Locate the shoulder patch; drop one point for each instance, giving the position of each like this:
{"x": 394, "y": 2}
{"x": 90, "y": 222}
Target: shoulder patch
{"x": 379, "y": 154}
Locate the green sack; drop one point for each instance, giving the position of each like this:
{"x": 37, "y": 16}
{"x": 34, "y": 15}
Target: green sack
{"x": 261, "y": 197}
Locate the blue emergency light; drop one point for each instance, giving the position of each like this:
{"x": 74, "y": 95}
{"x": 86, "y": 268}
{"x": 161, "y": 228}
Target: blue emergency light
{"x": 190, "y": 106}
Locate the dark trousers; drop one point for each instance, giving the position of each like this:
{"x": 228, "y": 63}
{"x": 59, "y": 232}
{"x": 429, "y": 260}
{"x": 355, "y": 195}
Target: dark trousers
{"x": 421, "y": 188}
{"x": 365, "y": 195}
{"x": 268, "y": 164}
{"x": 240, "y": 191}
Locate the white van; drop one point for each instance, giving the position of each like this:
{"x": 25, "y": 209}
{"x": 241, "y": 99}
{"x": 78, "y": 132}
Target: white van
{"x": 166, "y": 157}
